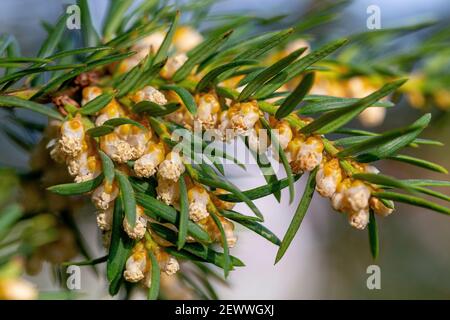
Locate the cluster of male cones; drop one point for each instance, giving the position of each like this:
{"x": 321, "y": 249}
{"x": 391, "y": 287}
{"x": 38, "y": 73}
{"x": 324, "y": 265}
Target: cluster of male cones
{"x": 128, "y": 124}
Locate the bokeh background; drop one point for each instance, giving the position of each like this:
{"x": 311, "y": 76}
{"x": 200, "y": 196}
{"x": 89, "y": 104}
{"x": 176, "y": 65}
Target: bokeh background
{"x": 328, "y": 259}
